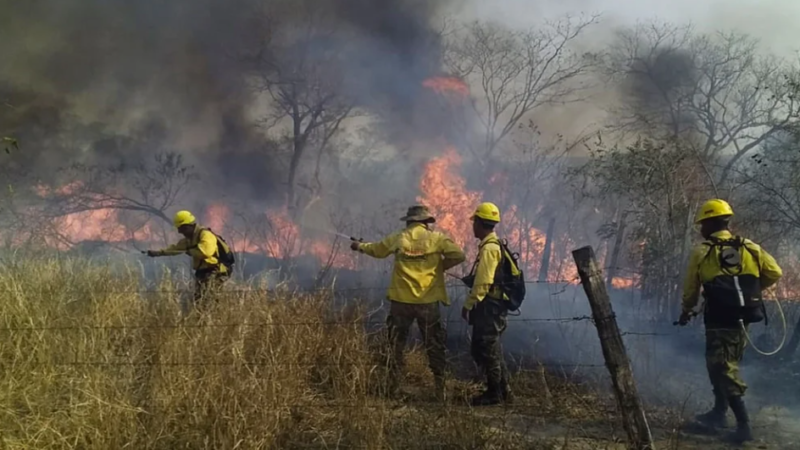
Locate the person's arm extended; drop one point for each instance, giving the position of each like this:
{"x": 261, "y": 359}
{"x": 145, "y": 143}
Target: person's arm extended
{"x": 381, "y": 249}
{"x": 178, "y": 248}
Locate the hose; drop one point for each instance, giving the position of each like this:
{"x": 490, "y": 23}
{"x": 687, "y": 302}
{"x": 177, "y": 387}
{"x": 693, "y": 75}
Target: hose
{"x": 783, "y": 341}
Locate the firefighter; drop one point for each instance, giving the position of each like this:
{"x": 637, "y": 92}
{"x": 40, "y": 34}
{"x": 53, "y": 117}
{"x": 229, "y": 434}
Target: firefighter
{"x": 485, "y": 308}
{"x": 421, "y": 256}
{"x": 732, "y": 272}
{"x": 201, "y": 244}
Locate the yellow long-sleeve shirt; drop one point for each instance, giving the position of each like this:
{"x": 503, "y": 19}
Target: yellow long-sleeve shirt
{"x": 490, "y": 256}
{"x": 420, "y": 258}
{"x": 202, "y": 247}
{"x": 701, "y": 269}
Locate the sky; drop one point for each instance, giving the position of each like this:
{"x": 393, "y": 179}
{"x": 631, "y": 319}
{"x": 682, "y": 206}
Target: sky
{"x": 773, "y": 22}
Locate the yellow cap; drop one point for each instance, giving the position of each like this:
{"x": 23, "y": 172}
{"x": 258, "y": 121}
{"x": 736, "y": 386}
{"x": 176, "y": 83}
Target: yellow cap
{"x": 713, "y": 208}
{"x": 487, "y": 211}
{"x": 183, "y": 218}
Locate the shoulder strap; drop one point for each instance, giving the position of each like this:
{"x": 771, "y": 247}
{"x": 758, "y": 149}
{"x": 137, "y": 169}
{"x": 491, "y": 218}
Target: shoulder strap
{"x": 743, "y": 244}
{"x": 491, "y": 241}
{"x": 478, "y": 257}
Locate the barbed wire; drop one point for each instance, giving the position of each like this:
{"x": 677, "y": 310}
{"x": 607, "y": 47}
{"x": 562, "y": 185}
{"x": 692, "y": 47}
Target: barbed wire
{"x": 263, "y": 324}
{"x": 280, "y": 289}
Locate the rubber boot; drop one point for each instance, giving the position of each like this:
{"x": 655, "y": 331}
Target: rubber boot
{"x": 717, "y": 417}
{"x": 492, "y": 396}
{"x": 743, "y": 432}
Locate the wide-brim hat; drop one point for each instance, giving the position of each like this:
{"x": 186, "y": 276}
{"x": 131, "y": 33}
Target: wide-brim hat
{"x": 418, "y": 213}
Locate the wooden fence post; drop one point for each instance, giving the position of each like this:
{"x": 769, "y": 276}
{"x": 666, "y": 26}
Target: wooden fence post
{"x": 617, "y": 362}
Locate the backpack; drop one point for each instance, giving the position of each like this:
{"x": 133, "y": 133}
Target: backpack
{"x": 732, "y": 291}
{"x": 225, "y": 254}
{"x": 509, "y": 278}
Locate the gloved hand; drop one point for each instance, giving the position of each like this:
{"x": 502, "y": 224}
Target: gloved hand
{"x": 685, "y": 318}
{"x": 355, "y": 246}
{"x": 465, "y": 314}
{"x": 151, "y": 253}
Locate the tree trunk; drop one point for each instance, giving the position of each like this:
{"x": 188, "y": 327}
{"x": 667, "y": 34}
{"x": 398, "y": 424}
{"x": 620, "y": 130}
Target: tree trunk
{"x": 544, "y": 268}
{"x": 298, "y": 146}
{"x": 613, "y": 262}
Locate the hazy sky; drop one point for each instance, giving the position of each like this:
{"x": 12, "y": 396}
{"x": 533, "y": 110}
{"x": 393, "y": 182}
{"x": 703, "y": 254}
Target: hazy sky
{"x": 774, "y": 22}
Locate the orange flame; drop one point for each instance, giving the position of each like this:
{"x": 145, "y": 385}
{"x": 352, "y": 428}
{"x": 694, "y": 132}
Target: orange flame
{"x": 445, "y": 85}
{"x": 624, "y": 282}
{"x": 445, "y": 193}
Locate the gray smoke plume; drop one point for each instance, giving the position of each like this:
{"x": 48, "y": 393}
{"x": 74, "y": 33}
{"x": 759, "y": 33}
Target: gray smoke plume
{"x": 109, "y": 66}
{"x": 659, "y": 82}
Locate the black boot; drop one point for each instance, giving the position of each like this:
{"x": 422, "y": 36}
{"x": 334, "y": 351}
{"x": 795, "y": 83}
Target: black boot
{"x": 743, "y": 432}
{"x": 492, "y": 396}
{"x": 717, "y": 417}
{"x": 505, "y": 392}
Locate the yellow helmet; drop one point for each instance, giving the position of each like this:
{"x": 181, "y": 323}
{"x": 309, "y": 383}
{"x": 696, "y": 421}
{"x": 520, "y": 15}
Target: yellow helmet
{"x": 487, "y": 211}
{"x": 713, "y": 208}
{"x": 183, "y": 218}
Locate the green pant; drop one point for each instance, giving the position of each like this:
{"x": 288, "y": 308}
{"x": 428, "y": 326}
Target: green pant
{"x": 208, "y": 284}
{"x": 401, "y": 317}
{"x": 489, "y": 320}
{"x": 724, "y": 351}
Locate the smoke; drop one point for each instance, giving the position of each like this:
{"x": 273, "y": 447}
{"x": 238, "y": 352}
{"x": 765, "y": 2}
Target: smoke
{"x": 658, "y": 81}
{"x": 108, "y": 66}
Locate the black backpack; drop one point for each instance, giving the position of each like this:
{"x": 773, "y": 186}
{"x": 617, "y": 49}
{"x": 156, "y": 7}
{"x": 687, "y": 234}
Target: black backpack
{"x": 225, "y": 254}
{"x": 512, "y": 279}
{"x": 740, "y": 294}
{"x": 508, "y": 277}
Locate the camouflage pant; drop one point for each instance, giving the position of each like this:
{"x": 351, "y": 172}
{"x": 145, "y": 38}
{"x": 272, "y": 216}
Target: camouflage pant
{"x": 724, "y": 351}
{"x": 401, "y": 317}
{"x": 489, "y": 321}
{"x": 207, "y": 285}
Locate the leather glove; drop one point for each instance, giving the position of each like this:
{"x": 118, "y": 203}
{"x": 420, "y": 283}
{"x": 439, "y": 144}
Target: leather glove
{"x": 685, "y": 318}
{"x": 355, "y": 246}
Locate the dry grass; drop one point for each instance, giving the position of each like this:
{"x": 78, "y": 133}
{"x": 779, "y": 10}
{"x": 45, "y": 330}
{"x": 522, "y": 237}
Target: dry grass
{"x": 87, "y": 362}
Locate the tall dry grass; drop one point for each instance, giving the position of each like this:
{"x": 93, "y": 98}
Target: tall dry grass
{"x": 87, "y": 362}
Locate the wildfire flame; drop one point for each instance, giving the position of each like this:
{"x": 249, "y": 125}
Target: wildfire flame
{"x": 443, "y": 189}
{"x": 447, "y": 85}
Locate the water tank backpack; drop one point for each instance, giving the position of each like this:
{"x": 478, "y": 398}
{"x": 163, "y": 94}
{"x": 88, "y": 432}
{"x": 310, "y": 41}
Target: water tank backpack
{"x": 733, "y": 295}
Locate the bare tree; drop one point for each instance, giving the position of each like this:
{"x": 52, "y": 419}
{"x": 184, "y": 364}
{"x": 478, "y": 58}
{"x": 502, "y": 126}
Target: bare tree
{"x": 656, "y": 186}
{"x": 149, "y": 187}
{"x": 713, "y": 91}
{"x": 297, "y": 67}
{"x": 517, "y": 72}
{"x": 536, "y": 169}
